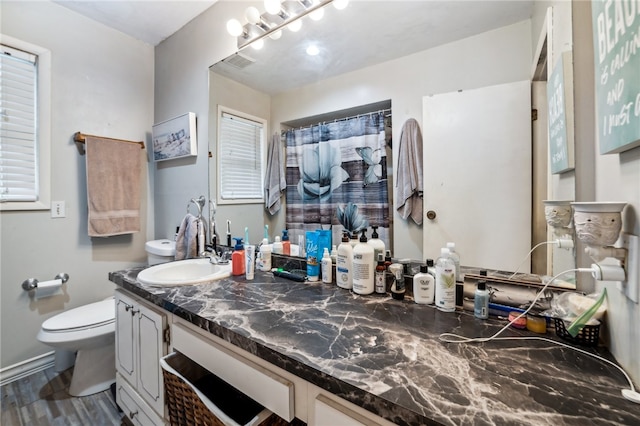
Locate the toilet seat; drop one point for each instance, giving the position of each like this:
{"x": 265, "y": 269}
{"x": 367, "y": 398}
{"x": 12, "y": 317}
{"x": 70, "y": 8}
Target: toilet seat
{"x": 83, "y": 317}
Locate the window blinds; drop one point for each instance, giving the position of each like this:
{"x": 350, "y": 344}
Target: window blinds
{"x": 18, "y": 126}
{"x": 240, "y": 162}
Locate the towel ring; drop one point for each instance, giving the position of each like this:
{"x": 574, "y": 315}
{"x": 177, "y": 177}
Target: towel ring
{"x": 199, "y": 202}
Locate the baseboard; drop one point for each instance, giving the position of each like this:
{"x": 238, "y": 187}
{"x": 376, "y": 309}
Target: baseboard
{"x": 26, "y": 368}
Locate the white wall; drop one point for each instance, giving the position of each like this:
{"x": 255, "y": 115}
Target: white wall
{"x": 494, "y": 57}
{"x": 102, "y": 84}
{"x": 613, "y": 177}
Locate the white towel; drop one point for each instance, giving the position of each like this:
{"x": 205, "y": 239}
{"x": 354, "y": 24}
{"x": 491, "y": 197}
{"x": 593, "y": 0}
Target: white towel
{"x": 113, "y": 186}
{"x": 274, "y": 181}
{"x": 187, "y": 239}
{"x": 409, "y": 172}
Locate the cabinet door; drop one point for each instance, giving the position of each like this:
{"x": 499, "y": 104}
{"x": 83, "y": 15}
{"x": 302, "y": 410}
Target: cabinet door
{"x": 125, "y": 337}
{"x": 151, "y": 347}
{"x": 329, "y": 413}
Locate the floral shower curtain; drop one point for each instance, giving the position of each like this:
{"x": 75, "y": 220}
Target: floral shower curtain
{"x": 331, "y": 165}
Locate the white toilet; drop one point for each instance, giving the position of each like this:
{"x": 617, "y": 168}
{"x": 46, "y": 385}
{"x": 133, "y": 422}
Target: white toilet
{"x": 160, "y": 251}
{"x": 89, "y": 330}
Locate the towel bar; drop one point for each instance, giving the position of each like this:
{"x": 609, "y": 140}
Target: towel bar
{"x": 199, "y": 202}
{"x": 32, "y": 283}
{"x": 81, "y": 138}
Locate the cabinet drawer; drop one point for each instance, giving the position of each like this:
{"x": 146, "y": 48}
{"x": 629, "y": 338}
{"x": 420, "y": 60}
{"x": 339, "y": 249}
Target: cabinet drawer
{"x": 133, "y": 406}
{"x": 265, "y": 387}
{"x": 329, "y": 413}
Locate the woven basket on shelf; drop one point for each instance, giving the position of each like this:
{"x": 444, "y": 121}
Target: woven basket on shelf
{"x": 186, "y": 406}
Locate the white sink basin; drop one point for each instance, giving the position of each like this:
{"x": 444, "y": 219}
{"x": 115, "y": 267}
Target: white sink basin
{"x": 183, "y": 272}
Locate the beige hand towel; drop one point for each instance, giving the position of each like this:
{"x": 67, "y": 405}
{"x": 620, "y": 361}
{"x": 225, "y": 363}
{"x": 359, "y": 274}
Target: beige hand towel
{"x": 113, "y": 186}
{"x": 409, "y": 172}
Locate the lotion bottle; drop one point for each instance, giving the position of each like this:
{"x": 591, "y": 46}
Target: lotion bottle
{"x": 456, "y": 260}
{"x": 445, "y": 282}
{"x": 381, "y": 276}
{"x": 327, "y": 267}
{"x": 265, "y": 256}
{"x": 423, "y": 286}
{"x": 363, "y": 266}
{"x": 376, "y": 243}
{"x": 344, "y": 263}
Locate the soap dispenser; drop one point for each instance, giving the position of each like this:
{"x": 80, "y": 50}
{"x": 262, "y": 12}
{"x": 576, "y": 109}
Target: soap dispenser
{"x": 237, "y": 258}
{"x": 376, "y": 243}
{"x": 286, "y": 244}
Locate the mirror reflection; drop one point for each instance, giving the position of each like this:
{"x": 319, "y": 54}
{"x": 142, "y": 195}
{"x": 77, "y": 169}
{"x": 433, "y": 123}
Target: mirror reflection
{"x": 374, "y": 54}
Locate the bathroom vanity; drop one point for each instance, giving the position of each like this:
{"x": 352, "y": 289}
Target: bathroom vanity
{"x": 327, "y": 356}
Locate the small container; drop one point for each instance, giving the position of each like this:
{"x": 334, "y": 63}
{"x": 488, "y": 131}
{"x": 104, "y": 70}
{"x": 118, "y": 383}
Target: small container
{"x": 250, "y": 257}
{"x": 380, "y": 284}
{"x": 520, "y": 323}
{"x": 238, "y": 259}
{"x": 286, "y": 244}
{"x": 327, "y": 267}
{"x": 536, "y": 324}
{"x": 276, "y": 247}
{"x": 424, "y": 286}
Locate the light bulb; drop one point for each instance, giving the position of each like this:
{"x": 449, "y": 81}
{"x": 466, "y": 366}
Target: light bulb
{"x": 275, "y": 35}
{"x": 312, "y": 50}
{"x": 340, "y": 4}
{"x": 258, "y": 44}
{"x": 317, "y": 14}
{"x": 252, "y": 14}
{"x": 295, "y": 26}
{"x": 272, "y": 6}
{"x": 234, "y": 27}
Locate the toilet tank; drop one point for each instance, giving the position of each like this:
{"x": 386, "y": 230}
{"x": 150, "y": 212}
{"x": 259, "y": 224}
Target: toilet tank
{"x": 160, "y": 251}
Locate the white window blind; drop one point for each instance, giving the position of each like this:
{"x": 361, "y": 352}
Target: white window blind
{"x": 18, "y": 125}
{"x": 240, "y": 155}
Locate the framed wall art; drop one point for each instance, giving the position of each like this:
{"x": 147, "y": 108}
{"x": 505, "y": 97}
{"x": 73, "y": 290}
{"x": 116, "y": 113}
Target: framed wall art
{"x": 175, "y": 138}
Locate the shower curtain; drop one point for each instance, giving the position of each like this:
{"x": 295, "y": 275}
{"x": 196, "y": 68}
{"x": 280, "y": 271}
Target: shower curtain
{"x": 330, "y": 165}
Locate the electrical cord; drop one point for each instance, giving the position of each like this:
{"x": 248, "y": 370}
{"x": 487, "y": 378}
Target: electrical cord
{"x": 630, "y": 394}
{"x": 558, "y": 242}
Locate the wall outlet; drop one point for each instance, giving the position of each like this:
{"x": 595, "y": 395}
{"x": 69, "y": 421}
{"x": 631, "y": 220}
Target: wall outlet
{"x": 58, "y": 209}
{"x": 632, "y": 266}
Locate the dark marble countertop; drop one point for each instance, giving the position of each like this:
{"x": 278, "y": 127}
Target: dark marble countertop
{"x": 386, "y": 356}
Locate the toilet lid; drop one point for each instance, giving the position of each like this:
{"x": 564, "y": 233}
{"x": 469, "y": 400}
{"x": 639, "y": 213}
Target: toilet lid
{"x": 89, "y": 315}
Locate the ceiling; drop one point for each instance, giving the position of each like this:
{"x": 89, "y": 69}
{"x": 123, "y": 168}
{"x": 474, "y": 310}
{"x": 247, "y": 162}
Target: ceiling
{"x": 148, "y": 20}
{"x": 363, "y": 34}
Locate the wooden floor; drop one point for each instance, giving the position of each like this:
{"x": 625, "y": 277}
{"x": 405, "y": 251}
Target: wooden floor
{"x": 42, "y": 399}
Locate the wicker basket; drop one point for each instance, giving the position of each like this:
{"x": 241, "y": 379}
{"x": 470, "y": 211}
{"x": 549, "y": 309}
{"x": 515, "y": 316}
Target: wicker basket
{"x": 196, "y": 397}
{"x": 587, "y": 336}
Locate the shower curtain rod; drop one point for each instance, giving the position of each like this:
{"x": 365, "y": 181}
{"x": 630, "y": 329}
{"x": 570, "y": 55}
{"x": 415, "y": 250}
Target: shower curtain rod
{"x": 382, "y": 111}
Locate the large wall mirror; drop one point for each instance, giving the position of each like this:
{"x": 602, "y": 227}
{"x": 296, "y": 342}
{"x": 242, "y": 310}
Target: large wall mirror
{"x": 374, "y": 52}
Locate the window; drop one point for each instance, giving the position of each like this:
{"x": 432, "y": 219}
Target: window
{"x": 241, "y": 141}
{"x": 25, "y": 72}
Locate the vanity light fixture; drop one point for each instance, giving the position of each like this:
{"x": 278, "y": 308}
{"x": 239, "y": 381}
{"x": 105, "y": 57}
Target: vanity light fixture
{"x": 279, "y": 14}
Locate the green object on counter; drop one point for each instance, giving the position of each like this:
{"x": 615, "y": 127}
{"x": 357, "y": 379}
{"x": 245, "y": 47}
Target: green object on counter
{"x": 579, "y": 322}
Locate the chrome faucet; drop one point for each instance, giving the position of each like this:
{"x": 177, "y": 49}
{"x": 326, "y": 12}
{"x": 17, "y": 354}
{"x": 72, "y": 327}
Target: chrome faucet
{"x": 217, "y": 259}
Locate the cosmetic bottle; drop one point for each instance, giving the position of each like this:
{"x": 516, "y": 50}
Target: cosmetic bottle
{"x": 445, "y": 294}
{"x": 381, "y": 276}
{"x": 481, "y": 301}
{"x": 334, "y": 254}
{"x": 238, "y": 259}
{"x": 327, "y": 267}
{"x": 376, "y": 243}
{"x": 276, "y": 247}
{"x": 286, "y": 244}
{"x": 363, "y": 266}
{"x": 423, "y": 286}
{"x": 456, "y": 260}
{"x": 397, "y": 288}
{"x": 265, "y": 256}
{"x": 344, "y": 263}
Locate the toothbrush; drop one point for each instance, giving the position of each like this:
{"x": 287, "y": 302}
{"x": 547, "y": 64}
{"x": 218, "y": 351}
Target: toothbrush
{"x": 266, "y": 232}
{"x": 228, "y": 233}
{"x": 246, "y": 235}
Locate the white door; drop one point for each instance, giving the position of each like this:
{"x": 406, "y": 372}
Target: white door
{"x": 477, "y": 175}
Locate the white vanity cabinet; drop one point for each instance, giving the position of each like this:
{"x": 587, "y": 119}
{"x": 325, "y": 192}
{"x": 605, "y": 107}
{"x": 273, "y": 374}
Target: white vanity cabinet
{"x": 141, "y": 332}
{"x": 276, "y": 389}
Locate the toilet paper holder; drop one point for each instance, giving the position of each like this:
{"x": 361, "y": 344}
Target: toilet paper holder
{"x": 32, "y": 283}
